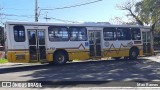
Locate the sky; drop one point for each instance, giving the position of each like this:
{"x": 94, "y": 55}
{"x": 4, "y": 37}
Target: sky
{"x": 24, "y": 10}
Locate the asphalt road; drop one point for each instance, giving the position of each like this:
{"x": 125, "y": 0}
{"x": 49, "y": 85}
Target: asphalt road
{"x": 104, "y": 71}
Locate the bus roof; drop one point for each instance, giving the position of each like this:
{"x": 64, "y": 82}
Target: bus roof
{"x": 93, "y": 24}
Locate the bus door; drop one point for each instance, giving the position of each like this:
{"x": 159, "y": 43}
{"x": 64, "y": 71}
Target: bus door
{"x": 147, "y": 43}
{"x": 95, "y": 43}
{"x": 37, "y": 45}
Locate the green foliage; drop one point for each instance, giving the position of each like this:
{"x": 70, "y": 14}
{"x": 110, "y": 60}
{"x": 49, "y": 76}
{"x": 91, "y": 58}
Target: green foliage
{"x": 149, "y": 12}
{"x": 145, "y": 12}
{"x": 3, "y": 60}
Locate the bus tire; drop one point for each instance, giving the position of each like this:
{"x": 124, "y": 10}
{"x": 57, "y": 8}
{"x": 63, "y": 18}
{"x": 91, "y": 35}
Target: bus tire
{"x": 133, "y": 54}
{"x": 60, "y": 58}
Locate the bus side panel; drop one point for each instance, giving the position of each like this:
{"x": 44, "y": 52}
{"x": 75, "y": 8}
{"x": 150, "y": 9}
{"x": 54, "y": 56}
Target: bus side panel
{"x": 49, "y": 49}
{"x": 78, "y": 54}
{"x": 141, "y": 52}
{"x": 18, "y": 57}
{"x": 116, "y": 48}
{"x": 75, "y": 49}
{"x": 8, "y": 44}
{"x": 116, "y": 53}
{"x": 49, "y": 56}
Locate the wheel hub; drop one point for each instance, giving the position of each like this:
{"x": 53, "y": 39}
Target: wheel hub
{"x": 61, "y": 58}
{"x": 134, "y": 54}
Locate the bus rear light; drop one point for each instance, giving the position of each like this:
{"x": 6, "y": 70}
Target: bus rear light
{"x": 137, "y": 42}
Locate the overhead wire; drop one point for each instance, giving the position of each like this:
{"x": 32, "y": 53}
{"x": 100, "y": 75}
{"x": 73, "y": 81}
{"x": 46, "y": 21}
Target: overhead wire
{"x": 62, "y": 20}
{"x": 15, "y": 9}
{"x": 28, "y": 16}
{"x": 65, "y": 7}
{"x": 77, "y": 5}
{"x": 71, "y": 6}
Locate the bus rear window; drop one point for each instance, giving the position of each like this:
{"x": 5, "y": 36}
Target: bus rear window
{"x": 19, "y": 33}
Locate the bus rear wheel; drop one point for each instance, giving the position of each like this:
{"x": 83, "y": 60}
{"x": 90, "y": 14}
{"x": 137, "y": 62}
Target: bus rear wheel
{"x": 133, "y": 54}
{"x": 60, "y": 58}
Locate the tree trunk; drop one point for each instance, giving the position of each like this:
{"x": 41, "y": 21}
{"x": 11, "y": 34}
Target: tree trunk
{"x": 153, "y": 27}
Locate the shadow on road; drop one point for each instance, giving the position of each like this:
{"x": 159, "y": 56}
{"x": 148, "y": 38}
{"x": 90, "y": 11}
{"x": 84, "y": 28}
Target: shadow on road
{"x": 111, "y": 70}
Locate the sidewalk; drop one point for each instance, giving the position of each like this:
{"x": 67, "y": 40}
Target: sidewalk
{"x": 155, "y": 58}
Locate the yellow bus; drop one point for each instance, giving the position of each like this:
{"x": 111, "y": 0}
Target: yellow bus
{"x": 58, "y": 43}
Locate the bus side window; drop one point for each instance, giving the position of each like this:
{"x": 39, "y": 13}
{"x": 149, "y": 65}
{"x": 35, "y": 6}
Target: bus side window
{"x": 136, "y": 35}
{"x": 19, "y": 33}
{"x": 58, "y": 33}
{"x": 74, "y": 35}
{"x": 123, "y": 34}
{"x": 78, "y": 33}
{"x": 109, "y": 33}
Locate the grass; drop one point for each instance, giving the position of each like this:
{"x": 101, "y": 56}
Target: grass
{"x": 3, "y": 60}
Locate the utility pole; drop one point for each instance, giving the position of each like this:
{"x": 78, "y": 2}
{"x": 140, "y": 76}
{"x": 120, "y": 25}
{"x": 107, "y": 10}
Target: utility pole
{"x": 46, "y": 17}
{"x": 36, "y": 11}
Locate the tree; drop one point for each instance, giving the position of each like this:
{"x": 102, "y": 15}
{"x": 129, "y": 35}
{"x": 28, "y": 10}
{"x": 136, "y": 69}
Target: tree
{"x": 145, "y": 12}
{"x": 116, "y": 20}
{"x": 149, "y": 12}
{"x": 120, "y": 21}
{"x": 129, "y": 6}
{"x": 1, "y": 14}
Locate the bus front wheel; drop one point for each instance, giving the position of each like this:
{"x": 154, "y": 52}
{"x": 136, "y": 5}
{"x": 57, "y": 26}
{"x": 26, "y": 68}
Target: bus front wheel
{"x": 60, "y": 58}
{"x": 133, "y": 54}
